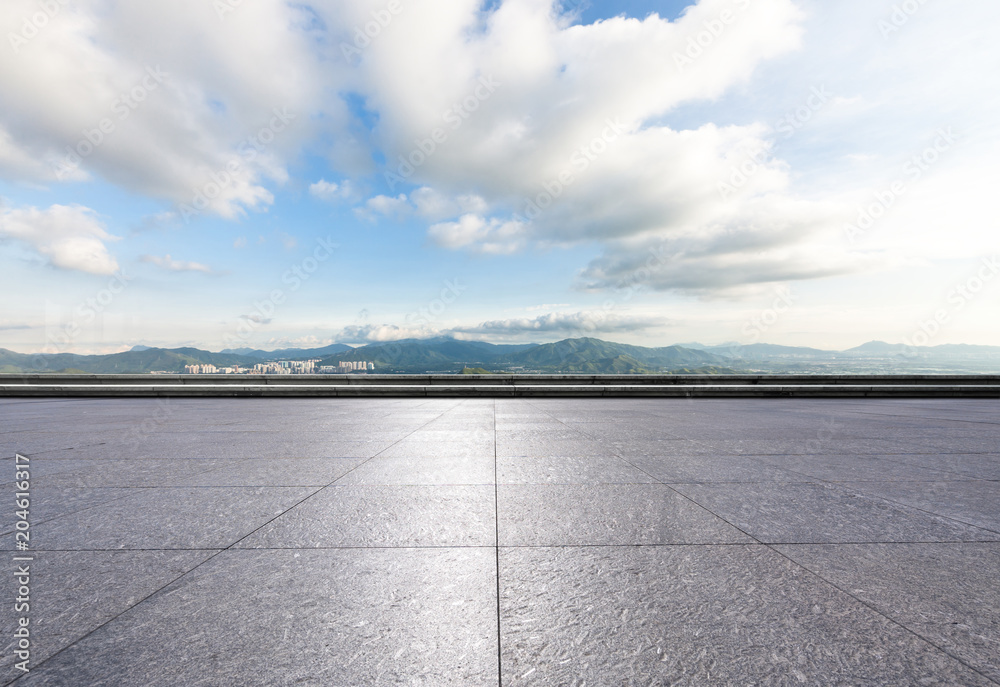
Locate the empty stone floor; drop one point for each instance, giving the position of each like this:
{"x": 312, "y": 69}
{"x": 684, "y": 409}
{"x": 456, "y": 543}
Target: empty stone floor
{"x": 503, "y": 542}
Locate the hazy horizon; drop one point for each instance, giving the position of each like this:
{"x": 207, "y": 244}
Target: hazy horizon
{"x": 538, "y": 342}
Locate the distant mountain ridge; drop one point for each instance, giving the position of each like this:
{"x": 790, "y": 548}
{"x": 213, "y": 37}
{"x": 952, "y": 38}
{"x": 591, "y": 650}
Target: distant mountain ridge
{"x": 941, "y": 351}
{"x": 592, "y": 355}
{"x": 129, "y": 362}
{"x": 290, "y": 353}
{"x": 763, "y": 351}
{"x": 570, "y": 356}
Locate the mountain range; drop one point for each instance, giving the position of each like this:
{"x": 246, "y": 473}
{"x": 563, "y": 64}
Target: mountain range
{"x": 571, "y": 356}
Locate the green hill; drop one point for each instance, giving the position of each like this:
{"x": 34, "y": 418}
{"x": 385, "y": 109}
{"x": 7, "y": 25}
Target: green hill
{"x": 397, "y": 357}
{"x": 573, "y": 356}
{"x": 129, "y": 362}
{"x": 602, "y": 357}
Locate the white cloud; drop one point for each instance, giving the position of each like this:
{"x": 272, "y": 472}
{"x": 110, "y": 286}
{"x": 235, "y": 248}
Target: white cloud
{"x": 331, "y": 191}
{"x": 69, "y": 236}
{"x": 374, "y": 333}
{"x": 386, "y": 206}
{"x": 583, "y": 323}
{"x": 434, "y": 205}
{"x": 324, "y": 189}
{"x": 561, "y": 147}
{"x": 476, "y": 232}
{"x": 159, "y": 98}
{"x": 168, "y": 263}
{"x": 623, "y": 129}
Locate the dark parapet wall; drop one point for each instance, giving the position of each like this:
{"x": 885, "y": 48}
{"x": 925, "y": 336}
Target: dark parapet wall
{"x": 716, "y": 386}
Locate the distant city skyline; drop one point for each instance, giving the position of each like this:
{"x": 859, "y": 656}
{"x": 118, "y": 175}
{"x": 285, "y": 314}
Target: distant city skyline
{"x": 274, "y": 175}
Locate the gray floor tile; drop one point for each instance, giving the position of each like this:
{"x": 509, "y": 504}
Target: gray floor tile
{"x": 273, "y": 472}
{"x": 610, "y": 514}
{"x": 858, "y": 468}
{"x": 265, "y": 618}
{"x": 75, "y": 592}
{"x": 965, "y": 444}
{"x": 544, "y": 448}
{"x": 815, "y": 513}
{"x": 39, "y": 468}
{"x": 441, "y": 469}
{"x": 697, "y": 616}
{"x": 945, "y": 593}
{"x": 639, "y": 448}
{"x": 128, "y": 473}
{"x": 641, "y": 585}
{"x": 701, "y": 468}
{"x": 975, "y": 502}
{"x": 431, "y": 449}
{"x": 379, "y": 516}
{"x": 972, "y": 466}
{"x": 167, "y": 518}
{"x": 49, "y": 503}
{"x": 568, "y": 470}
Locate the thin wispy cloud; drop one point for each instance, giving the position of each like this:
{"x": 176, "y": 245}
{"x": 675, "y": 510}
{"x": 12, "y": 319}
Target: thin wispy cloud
{"x": 168, "y": 263}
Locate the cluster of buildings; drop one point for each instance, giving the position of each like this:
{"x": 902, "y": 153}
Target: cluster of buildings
{"x": 282, "y": 367}
{"x": 348, "y": 366}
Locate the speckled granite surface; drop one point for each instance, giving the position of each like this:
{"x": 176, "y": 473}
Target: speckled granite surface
{"x": 505, "y": 541}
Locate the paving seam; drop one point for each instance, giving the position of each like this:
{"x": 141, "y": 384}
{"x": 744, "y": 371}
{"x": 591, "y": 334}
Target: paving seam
{"x": 872, "y": 608}
{"x": 218, "y": 552}
{"x": 496, "y": 520}
{"x": 949, "y": 542}
{"x": 936, "y": 419}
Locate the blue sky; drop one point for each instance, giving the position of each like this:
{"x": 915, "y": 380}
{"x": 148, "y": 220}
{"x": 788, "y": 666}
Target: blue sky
{"x": 276, "y": 174}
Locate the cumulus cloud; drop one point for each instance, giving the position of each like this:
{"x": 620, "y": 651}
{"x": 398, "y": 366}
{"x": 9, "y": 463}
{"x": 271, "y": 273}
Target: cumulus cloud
{"x": 68, "y": 236}
{"x": 331, "y": 191}
{"x": 583, "y": 323}
{"x": 434, "y": 205}
{"x": 504, "y": 126}
{"x": 144, "y": 96}
{"x": 481, "y": 234}
{"x": 562, "y": 141}
{"x": 375, "y": 333}
{"x": 385, "y": 206}
{"x": 324, "y": 189}
{"x": 168, "y": 263}
{"x": 424, "y": 202}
